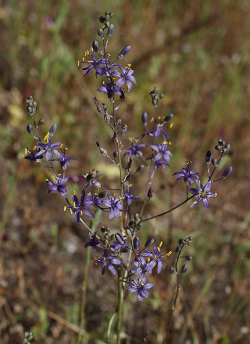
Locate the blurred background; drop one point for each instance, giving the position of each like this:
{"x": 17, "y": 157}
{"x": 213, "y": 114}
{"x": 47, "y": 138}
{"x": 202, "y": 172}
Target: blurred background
{"x": 197, "y": 54}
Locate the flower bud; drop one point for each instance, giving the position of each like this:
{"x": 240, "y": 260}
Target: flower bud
{"x": 41, "y": 121}
{"x": 161, "y": 95}
{"x": 119, "y": 238}
{"x": 102, "y": 194}
{"x": 53, "y": 129}
{"x": 144, "y": 118}
{"x": 221, "y": 142}
{"x": 124, "y": 52}
{"x": 226, "y": 148}
{"x": 29, "y": 129}
{"x": 184, "y": 269}
{"x": 103, "y": 229}
{"x": 168, "y": 117}
{"x": 102, "y": 19}
{"x": 149, "y": 243}
{"x": 178, "y": 248}
{"x": 111, "y": 30}
{"x": 95, "y": 46}
{"x": 35, "y": 104}
{"x": 115, "y": 154}
{"x": 125, "y": 250}
{"x": 188, "y": 257}
{"x": 100, "y": 33}
{"x": 181, "y": 242}
{"x": 128, "y": 231}
{"x": 215, "y": 162}
{"x": 208, "y": 157}
{"x": 140, "y": 168}
{"x": 218, "y": 147}
{"x": 150, "y": 193}
{"x": 226, "y": 173}
{"x": 171, "y": 270}
{"x": 136, "y": 243}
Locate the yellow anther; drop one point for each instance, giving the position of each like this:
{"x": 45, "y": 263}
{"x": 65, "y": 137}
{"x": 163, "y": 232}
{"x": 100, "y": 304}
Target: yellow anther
{"x": 164, "y": 143}
{"x": 90, "y": 61}
{"x": 65, "y": 148}
{"x": 199, "y": 182}
{"x": 81, "y": 213}
{"x": 161, "y": 244}
{"x": 194, "y": 202}
{"x": 71, "y": 212}
{"x": 159, "y": 117}
{"x": 74, "y": 193}
{"x": 152, "y": 119}
{"x": 104, "y": 258}
{"x": 34, "y": 148}
{"x": 83, "y": 58}
{"x": 78, "y": 63}
{"x": 61, "y": 145}
{"x": 131, "y": 139}
{"x": 130, "y": 185}
{"x": 154, "y": 256}
{"x": 170, "y": 143}
{"x": 158, "y": 249}
{"x": 46, "y": 138}
{"x": 215, "y": 195}
{"x": 92, "y": 49}
{"x": 171, "y": 125}
{"x": 74, "y": 204}
{"x": 46, "y": 180}
{"x": 168, "y": 254}
{"x": 64, "y": 208}
{"x": 56, "y": 178}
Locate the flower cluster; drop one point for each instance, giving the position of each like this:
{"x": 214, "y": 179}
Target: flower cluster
{"x": 116, "y": 243}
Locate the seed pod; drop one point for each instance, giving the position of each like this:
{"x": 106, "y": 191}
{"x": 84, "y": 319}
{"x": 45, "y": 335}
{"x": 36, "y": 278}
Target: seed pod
{"x": 29, "y": 129}
{"x": 221, "y": 142}
{"x": 215, "y": 162}
{"x": 53, "y": 129}
{"x": 149, "y": 243}
{"x": 124, "y": 52}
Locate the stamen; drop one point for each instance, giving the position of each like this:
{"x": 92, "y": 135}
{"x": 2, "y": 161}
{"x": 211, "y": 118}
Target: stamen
{"x": 168, "y": 254}
{"x": 64, "y": 208}
{"x": 171, "y": 125}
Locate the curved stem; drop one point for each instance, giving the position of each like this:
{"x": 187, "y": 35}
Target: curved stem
{"x": 169, "y": 211}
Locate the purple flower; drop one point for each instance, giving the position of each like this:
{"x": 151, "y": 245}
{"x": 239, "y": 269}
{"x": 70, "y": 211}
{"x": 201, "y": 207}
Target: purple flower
{"x": 156, "y": 257}
{"x": 143, "y": 266}
{"x": 58, "y": 185}
{"x": 108, "y": 262}
{"x": 203, "y": 193}
{"x": 93, "y": 64}
{"x": 160, "y": 163}
{"x": 126, "y": 76}
{"x": 79, "y": 208}
{"x": 140, "y": 287}
{"x": 93, "y": 242}
{"x": 187, "y": 175}
{"x": 128, "y": 196}
{"x": 110, "y": 88}
{"x": 162, "y": 151}
{"x": 97, "y": 202}
{"x": 48, "y": 148}
{"x": 114, "y": 204}
{"x": 64, "y": 161}
{"x": 33, "y": 156}
{"x": 159, "y": 131}
{"x": 134, "y": 150}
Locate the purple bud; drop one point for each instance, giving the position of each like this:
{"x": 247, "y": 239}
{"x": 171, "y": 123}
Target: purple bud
{"x": 102, "y": 194}
{"x": 215, "y": 162}
{"x": 29, "y": 129}
{"x": 150, "y": 193}
{"x": 208, "y": 157}
{"x": 53, "y": 129}
{"x": 184, "y": 269}
{"x": 119, "y": 238}
{"x": 171, "y": 270}
{"x": 177, "y": 250}
{"x": 111, "y": 30}
{"x": 100, "y": 32}
{"x": 140, "y": 168}
{"x": 124, "y": 52}
{"x": 136, "y": 243}
{"x": 188, "y": 257}
{"x": 168, "y": 117}
{"x": 149, "y": 243}
{"x": 41, "y": 121}
{"x": 144, "y": 118}
{"x": 95, "y": 46}
{"x": 99, "y": 108}
{"x": 226, "y": 173}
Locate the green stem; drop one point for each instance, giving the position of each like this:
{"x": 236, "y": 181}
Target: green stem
{"x": 119, "y": 309}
